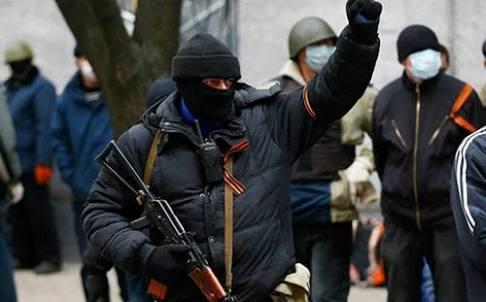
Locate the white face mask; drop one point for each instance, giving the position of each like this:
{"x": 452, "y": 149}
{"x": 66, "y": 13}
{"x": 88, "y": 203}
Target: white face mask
{"x": 87, "y": 71}
{"x": 425, "y": 64}
{"x": 317, "y": 56}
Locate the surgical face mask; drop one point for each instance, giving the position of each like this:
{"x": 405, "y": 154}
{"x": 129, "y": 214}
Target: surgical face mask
{"x": 317, "y": 56}
{"x": 87, "y": 71}
{"x": 425, "y": 64}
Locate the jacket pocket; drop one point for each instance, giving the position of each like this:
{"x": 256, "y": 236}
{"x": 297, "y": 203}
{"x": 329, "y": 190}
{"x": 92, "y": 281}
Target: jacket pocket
{"x": 438, "y": 130}
{"x": 398, "y": 134}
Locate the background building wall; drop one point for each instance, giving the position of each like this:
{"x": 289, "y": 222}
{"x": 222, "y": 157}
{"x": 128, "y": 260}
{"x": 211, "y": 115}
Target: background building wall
{"x": 460, "y": 26}
{"x": 263, "y": 28}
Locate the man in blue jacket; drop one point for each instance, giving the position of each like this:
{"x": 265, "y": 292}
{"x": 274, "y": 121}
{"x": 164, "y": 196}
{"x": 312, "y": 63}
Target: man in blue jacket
{"x": 81, "y": 127}
{"x": 31, "y": 100}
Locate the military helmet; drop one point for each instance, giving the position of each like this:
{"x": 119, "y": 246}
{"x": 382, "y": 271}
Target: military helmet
{"x": 18, "y": 51}
{"x": 306, "y": 32}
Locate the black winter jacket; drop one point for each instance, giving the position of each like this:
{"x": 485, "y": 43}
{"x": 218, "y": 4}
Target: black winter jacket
{"x": 414, "y": 142}
{"x": 279, "y": 127}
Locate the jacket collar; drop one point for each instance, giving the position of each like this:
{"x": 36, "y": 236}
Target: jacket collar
{"x": 291, "y": 70}
{"x": 74, "y": 90}
{"x": 167, "y": 117}
{"x": 425, "y": 85}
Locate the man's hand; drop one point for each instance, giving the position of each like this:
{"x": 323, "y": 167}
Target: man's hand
{"x": 363, "y": 17}
{"x": 43, "y": 174}
{"x": 16, "y": 192}
{"x": 357, "y": 174}
{"x": 167, "y": 263}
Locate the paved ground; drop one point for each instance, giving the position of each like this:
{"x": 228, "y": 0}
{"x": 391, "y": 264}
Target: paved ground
{"x": 65, "y": 286}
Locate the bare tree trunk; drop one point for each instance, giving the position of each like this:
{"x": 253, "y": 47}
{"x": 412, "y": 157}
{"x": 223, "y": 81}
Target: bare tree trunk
{"x": 125, "y": 67}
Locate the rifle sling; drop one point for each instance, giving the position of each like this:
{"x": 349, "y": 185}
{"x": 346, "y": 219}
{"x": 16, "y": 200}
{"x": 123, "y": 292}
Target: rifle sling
{"x": 156, "y": 289}
{"x": 152, "y": 156}
{"x": 228, "y": 227}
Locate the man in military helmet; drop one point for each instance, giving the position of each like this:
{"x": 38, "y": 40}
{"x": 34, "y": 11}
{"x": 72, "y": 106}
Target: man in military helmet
{"x": 31, "y": 99}
{"x": 256, "y": 136}
{"x": 329, "y": 178}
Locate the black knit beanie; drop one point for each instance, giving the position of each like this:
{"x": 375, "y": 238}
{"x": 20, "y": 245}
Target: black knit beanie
{"x": 204, "y": 56}
{"x": 415, "y": 38}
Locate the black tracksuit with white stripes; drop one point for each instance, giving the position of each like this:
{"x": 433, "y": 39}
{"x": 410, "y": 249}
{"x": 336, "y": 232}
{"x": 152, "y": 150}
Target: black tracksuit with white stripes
{"x": 468, "y": 201}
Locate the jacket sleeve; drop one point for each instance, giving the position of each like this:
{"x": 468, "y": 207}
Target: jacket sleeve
{"x": 7, "y": 141}
{"x": 61, "y": 144}
{"x": 300, "y": 117}
{"x": 365, "y": 116}
{"x": 379, "y": 149}
{"x": 111, "y": 206}
{"x": 44, "y": 104}
{"x": 468, "y": 179}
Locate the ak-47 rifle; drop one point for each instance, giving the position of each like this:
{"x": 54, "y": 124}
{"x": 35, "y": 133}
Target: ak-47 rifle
{"x": 159, "y": 215}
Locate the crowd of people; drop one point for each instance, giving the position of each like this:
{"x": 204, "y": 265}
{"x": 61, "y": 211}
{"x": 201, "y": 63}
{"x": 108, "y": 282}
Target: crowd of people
{"x": 267, "y": 181}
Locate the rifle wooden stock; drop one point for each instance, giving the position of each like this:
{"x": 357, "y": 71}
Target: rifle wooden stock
{"x": 205, "y": 280}
{"x": 157, "y": 290}
{"x": 209, "y": 284}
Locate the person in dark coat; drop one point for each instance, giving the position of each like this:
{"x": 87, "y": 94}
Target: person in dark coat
{"x": 162, "y": 87}
{"x": 419, "y": 120}
{"x": 31, "y": 99}
{"x": 11, "y": 191}
{"x": 262, "y": 131}
{"x": 330, "y": 178}
{"x": 468, "y": 201}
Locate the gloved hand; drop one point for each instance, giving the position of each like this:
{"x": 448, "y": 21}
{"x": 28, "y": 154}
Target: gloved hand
{"x": 167, "y": 263}
{"x": 15, "y": 192}
{"x": 363, "y": 18}
{"x": 357, "y": 174}
{"x": 42, "y": 174}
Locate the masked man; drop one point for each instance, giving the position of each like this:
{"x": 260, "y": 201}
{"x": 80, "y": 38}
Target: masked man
{"x": 419, "y": 121}
{"x": 258, "y": 135}
{"x": 31, "y": 99}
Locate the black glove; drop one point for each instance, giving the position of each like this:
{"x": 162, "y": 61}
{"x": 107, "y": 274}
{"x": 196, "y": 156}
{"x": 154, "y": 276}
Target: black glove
{"x": 167, "y": 263}
{"x": 96, "y": 287}
{"x": 363, "y": 17}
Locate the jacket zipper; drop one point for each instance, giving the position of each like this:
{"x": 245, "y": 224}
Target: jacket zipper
{"x": 415, "y": 159}
{"x": 398, "y": 134}
{"x": 438, "y": 130}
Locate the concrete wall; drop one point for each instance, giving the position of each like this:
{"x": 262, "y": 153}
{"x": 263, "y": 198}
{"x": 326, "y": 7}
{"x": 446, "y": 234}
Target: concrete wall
{"x": 460, "y": 25}
{"x": 40, "y": 23}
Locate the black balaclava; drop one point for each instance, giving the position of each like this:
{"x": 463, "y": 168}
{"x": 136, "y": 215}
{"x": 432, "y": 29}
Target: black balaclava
{"x": 22, "y": 71}
{"x": 203, "y": 56}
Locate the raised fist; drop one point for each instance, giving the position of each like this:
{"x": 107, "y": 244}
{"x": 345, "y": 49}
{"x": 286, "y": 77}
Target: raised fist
{"x": 363, "y": 17}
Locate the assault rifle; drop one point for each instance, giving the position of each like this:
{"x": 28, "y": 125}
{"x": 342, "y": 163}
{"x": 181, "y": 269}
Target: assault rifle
{"x": 159, "y": 215}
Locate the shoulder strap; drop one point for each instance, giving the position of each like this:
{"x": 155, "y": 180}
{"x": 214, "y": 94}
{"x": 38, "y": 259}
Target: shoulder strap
{"x": 228, "y": 226}
{"x": 152, "y": 155}
{"x": 461, "y": 99}
{"x": 155, "y": 288}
